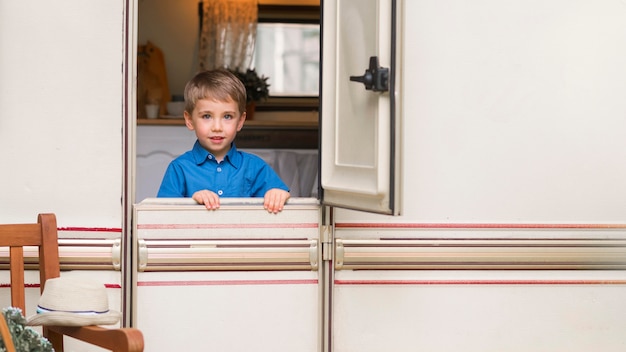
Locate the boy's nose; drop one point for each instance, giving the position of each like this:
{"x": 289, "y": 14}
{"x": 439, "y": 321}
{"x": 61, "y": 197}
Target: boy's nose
{"x": 217, "y": 124}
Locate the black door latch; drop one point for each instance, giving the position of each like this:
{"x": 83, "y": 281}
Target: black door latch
{"x": 376, "y": 78}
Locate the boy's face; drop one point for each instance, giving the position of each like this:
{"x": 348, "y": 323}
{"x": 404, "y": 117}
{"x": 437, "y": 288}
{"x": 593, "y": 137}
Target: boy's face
{"x": 216, "y": 124}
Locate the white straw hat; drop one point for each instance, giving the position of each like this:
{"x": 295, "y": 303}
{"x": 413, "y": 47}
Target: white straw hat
{"x": 74, "y": 302}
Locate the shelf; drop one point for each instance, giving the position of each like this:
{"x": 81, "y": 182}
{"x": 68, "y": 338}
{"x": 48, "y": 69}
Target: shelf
{"x": 262, "y": 134}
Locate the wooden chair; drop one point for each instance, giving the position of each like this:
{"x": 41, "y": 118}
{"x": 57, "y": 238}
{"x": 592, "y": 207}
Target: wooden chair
{"x": 43, "y": 234}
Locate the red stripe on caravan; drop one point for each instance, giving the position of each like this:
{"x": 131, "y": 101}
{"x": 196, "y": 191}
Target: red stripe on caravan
{"x": 480, "y": 282}
{"x": 227, "y": 282}
{"x": 226, "y": 226}
{"x": 90, "y": 229}
{"x": 4, "y": 285}
{"x": 7, "y": 284}
{"x": 478, "y": 226}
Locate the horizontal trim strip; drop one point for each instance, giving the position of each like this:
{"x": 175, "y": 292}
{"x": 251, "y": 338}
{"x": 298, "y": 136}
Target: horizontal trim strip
{"x": 480, "y": 282}
{"x": 476, "y": 226}
{"x": 483, "y": 254}
{"x": 75, "y": 254}
{"x": 226, "y": 283}
{"x": 215, "y": 255}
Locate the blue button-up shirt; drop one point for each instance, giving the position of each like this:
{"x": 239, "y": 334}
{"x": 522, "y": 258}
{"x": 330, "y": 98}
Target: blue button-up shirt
{"x": 240, "y": 174}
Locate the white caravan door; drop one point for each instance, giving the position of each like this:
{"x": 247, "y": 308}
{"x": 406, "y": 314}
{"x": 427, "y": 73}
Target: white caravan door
{"x": 358, "y": 106}
{"x": 234, "y": 279}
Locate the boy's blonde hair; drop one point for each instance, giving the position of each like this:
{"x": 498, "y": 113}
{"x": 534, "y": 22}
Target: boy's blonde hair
{"x": 219, "y": 84}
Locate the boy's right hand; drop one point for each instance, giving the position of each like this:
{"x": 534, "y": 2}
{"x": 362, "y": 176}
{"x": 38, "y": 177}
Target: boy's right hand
{"x": 210, "y": 199}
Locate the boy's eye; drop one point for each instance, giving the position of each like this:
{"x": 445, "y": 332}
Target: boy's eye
{"x": 228, "y": 117}
{"x": 206, "y": 116}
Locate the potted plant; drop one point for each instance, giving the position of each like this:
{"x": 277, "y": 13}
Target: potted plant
{"x": 257, "y": 88}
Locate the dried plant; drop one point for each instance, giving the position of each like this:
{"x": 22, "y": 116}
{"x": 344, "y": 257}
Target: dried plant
{"x": 25, "y": 338}
{"x": 257, "y": 88}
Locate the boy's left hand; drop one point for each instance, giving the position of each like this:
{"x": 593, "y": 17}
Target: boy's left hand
{"x": 275, "y": 199}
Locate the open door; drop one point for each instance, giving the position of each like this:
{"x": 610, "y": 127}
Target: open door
{"x": 358, "y": 120}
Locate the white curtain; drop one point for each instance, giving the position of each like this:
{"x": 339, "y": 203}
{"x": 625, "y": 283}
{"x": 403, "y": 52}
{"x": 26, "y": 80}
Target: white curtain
{"x": 228, "y": 33}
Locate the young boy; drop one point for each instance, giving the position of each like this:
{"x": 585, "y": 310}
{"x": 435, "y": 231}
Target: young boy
{"x": 215, "y": 103}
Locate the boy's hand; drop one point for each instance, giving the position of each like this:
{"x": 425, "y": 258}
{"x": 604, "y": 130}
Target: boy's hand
{"x": 210, "y": 199}
{"x": 275, "y": 199}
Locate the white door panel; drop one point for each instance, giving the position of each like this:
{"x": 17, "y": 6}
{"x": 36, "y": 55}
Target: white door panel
{"x": 250, "y": 277}
{"x": 357, "y": 143}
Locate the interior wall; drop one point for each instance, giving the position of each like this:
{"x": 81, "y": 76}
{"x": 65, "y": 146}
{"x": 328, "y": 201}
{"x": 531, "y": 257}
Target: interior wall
{"x": 173, "y": 26}
{"x": 61, "y": 111}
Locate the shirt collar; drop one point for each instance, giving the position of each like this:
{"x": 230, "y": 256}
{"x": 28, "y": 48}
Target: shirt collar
{"x": 201, "y": 155}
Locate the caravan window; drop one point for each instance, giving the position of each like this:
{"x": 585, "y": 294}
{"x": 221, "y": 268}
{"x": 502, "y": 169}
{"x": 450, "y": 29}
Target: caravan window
{"x": 289, "y": 54}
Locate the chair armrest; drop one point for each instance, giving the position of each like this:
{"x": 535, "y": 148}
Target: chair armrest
{"x": 120, "y": 339}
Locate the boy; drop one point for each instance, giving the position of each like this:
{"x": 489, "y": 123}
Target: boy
{"x": 215, "y": 103}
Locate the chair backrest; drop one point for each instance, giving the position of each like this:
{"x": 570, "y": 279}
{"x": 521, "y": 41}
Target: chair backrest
{"x": 43, "y": 235}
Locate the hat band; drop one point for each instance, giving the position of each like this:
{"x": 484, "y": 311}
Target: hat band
{"x": 41, "y": 310}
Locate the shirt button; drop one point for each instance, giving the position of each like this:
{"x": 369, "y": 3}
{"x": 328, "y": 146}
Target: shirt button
{"x": 220, "y": 192}
{"x": 219, "y": 169}
{"x": 210, "y": 156}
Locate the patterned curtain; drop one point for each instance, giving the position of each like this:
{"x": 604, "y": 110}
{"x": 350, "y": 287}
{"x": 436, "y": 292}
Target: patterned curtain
{"x": 227, "y": 34}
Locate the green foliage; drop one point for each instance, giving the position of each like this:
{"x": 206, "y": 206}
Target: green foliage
{"x": 257, "y": 88}
{"x": 25, "y": 338}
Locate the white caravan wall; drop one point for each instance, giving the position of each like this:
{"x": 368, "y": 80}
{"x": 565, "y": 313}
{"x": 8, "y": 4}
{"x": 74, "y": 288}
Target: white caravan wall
{"x": 61, "y": 113}
{"x": 516, "y": 111}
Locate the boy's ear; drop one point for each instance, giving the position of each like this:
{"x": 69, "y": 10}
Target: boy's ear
{"x": 188, "y": 121}
{"x": 242, "y": 119}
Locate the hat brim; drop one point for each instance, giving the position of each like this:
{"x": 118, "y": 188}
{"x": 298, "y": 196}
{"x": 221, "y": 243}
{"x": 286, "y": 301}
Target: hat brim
{"x": 73, "y": 319}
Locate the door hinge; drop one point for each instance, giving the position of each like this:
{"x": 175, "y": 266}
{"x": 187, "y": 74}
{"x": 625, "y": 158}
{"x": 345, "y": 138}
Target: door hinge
{"x": 326, "y": 239}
